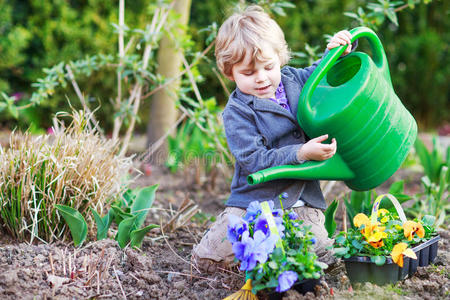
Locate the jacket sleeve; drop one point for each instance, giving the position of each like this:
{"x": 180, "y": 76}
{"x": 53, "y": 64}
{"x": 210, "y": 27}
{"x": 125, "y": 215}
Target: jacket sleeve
{"x": 248, "y": 145}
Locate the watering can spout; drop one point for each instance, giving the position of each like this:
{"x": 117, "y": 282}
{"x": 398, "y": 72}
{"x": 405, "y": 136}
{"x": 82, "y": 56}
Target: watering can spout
{"x": 330, "y": 169}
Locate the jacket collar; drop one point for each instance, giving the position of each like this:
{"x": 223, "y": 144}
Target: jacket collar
{"x": 268, "y": 105}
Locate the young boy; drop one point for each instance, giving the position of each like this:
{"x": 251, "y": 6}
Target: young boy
{"x": 262, "y": 130}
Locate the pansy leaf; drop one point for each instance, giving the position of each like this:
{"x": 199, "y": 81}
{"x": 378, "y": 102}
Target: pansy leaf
{"x": 378, "y": 260}
{"x": 340, "y": 251}
{"x": 320, "y": 264}
{"x": 273, "y": 265}
{"x": 357, "y": 244}
{"x": 428, "y": 220}
{"x": 340, "y": 239}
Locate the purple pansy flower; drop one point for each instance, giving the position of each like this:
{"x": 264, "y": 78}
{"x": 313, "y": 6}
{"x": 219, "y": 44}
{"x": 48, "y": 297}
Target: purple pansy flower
{"x": 252, "y": 250}
{"x": 253, "y": 210}
{"x": 262, "y": 224}
{"x": 293, "y": 215}
{"x": 277, "y": 212}
{"x": 286, "y": 281}
{"x": 235, "y": 228}
{"x": 284, "y": 195}
{"x": 313, "y": 240}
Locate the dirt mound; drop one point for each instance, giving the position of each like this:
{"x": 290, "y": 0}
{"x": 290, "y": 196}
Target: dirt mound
{"x": 161, "y": 269}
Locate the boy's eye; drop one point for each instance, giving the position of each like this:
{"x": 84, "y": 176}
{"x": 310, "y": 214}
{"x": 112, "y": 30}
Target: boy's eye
{"x": 247, "y": 73}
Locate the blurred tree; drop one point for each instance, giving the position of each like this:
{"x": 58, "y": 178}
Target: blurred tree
{"x": 163, "y": 112}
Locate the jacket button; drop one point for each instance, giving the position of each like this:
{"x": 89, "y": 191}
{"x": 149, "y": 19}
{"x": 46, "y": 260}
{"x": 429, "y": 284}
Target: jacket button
{"x": 297, "y": 134}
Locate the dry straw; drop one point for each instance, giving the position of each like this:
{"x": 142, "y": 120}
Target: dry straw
{"x": 74, "y": 166}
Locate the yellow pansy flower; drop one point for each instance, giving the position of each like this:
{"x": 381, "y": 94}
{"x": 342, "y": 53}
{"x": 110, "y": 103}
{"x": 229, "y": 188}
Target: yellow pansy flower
{"x": 375, "y": 238}
{"x": 382, "y": 212}
{"x": 361, "y": 219}
{"x": 399, "y": 251}
{"x": 411, "y": 227}
{"x": 377, "y": 244}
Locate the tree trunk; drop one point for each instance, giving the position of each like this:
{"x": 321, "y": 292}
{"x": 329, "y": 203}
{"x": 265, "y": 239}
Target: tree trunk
{"x": 162, "y": 109}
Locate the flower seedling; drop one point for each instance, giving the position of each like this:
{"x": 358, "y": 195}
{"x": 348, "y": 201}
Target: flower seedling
{"x": 275, "y": 250}
{"x": 383, "y": 235}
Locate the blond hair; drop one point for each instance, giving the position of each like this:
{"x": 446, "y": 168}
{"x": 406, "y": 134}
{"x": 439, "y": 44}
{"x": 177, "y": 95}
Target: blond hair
{"x": 251, "y": 30}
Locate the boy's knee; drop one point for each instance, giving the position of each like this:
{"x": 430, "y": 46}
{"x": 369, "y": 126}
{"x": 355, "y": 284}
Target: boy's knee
{"x": 214, "y": 244}
{"x": 314, "y": 218}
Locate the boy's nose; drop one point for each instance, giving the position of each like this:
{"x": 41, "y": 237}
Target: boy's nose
{"x": 260, "y": 76}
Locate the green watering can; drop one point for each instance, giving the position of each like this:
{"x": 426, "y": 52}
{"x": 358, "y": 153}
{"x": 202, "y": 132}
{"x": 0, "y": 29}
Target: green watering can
{"x": 353, "y": 101}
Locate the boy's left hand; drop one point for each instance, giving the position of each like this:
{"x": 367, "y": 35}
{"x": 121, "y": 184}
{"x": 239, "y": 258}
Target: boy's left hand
{"x": 343, "y": 37}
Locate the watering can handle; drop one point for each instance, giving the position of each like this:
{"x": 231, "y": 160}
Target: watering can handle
{"x": 379, "y": 57}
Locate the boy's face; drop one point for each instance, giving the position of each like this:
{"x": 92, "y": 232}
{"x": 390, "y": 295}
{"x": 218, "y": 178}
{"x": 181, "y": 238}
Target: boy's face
{"x": 258, "y": 78}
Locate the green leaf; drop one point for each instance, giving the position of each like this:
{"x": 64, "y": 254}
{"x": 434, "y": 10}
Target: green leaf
{"x": 3, "y": 105}
{"x": 119, "y": 214}
{"x": 357, "y": 244}
{"x": 424, "y": 157}
{"x": 378, "y": 260}
{"x": 76, "y": 223}
{"x": 142, "y": 203}
{"x": 103, "y": 224}
{"x": 340, "y": 239}
{"x": 320, "y": 264}
{"x": 137, "y": 236}
{"x": 392, "y": 15}
{"x": 124, "y": 231}
{"x": 428, "y": 220}
{"x": 13, "y": 111}
{"x": 258, "y": 287}
{"x": 341, "y": 251}
{"x": 330, "y": 223}
{"x": 397, "y": 187}
{"x": 129, "y": 196}
{"x": 273, "y": 265}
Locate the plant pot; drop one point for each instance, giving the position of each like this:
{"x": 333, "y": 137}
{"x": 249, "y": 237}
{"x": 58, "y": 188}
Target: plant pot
{"x": 426, "y": 254}
{"x": 304, "y": 286}
{"x": 362, "y": 269}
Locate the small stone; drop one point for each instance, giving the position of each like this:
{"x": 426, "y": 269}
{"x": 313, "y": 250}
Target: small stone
{"x": 179, "y": 285}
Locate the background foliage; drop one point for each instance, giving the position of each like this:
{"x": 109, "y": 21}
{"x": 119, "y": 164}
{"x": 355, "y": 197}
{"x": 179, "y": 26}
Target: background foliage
{"x": 37, "y": 34}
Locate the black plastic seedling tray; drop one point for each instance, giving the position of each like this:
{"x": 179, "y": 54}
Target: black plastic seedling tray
{"x": 426, "y": 254}
{"x": 362, "y": 269}
{"x": 304, "y": 286}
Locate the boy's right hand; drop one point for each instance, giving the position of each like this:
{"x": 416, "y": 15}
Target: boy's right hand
{"x": 315, "y": 150}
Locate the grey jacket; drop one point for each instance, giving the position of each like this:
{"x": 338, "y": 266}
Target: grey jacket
{"x": 261, "y": 134}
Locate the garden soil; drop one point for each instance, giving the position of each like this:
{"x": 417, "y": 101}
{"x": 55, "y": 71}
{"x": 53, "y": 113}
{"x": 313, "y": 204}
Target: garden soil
{"x": 161, "y": 268}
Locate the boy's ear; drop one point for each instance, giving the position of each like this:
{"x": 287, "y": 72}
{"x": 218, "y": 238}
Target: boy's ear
{"x": 230, "y": 77}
